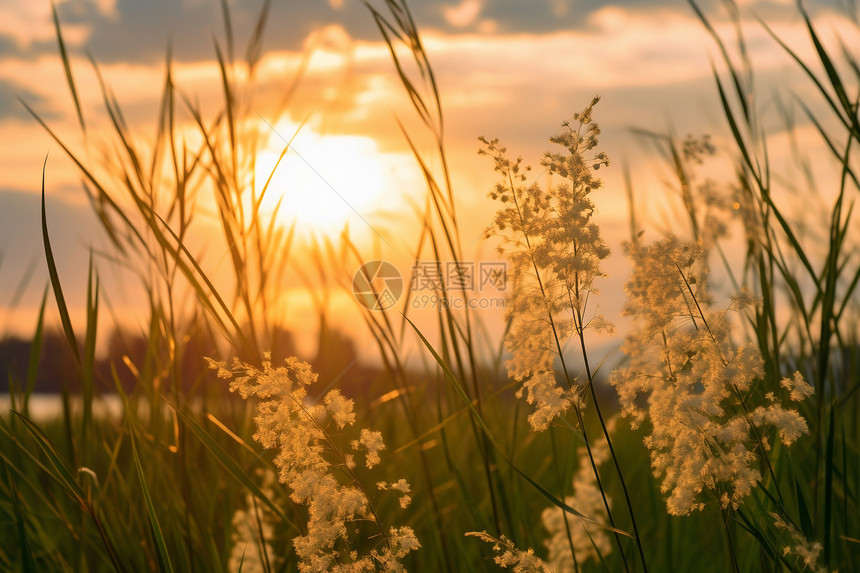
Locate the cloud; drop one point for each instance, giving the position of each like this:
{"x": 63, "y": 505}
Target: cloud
{"x": 135, "y": 31}
{"x": 139, "y": 31}
{"x": 10, "y": 107}
{"x": 610, "y": 49}
{"x": 463, "y": 14}
{"x": 521, "y": 82}
{"x": 505, "y": 68}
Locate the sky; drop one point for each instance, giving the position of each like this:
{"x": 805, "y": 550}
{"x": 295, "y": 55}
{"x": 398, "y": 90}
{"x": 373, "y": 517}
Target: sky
{"x": 511, "y": 69}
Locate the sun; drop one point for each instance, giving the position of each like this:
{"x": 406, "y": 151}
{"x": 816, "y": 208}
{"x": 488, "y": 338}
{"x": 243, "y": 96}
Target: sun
{"x": 323, "y": 182}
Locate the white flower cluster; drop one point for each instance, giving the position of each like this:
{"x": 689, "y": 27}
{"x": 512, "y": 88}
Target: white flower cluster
{"x": 401, "y": 486}
{"x": 554, "y": 249}
{"x": 296, "y": 431}
{"x": 693, "y": 385}
{"x": 509, "y": 556}
{"x": 252, "y": 533}
{"x": 807, "y": 551}
{"x": 587, "y": 539}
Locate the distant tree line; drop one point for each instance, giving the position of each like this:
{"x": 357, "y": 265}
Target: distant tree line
{"x": 336, "y": 359}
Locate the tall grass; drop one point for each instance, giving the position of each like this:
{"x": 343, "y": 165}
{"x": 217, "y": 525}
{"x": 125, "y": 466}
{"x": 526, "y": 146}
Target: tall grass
{"x": 178, "y": 482}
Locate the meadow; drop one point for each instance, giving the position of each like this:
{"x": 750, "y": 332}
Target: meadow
{"x": 725, "y": 438}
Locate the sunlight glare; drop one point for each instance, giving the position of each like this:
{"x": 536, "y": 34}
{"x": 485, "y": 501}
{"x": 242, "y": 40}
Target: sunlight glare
{"x": 323, "y": 181}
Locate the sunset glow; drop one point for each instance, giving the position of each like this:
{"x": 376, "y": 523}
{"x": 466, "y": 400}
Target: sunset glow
{"x": 429, "y": 285}
{"x": 324, "y": 182}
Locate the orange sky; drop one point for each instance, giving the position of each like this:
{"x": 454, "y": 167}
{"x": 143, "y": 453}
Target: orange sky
{"x": 506, "y": 69}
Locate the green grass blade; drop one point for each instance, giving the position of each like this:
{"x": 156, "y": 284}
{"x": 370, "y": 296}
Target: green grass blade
{"x": 753, "y": 530}
{"x": 103, "y": 195}
{"x": 808, "y": 71}
{"x": 228, "y": 27}
{"x": 229, "y": 105}
{"x": 231, "y": 465}
{"x": 23, "y": 286}
{"x": 26, "y": 476}
{"x": 89, "y": 361}
{"x": 55, "y": 277}
{"x": 28, "y": 565}
{"x": 828, "y": 141}
{"x": 255, "y": 43}
{"x": 828, "y": 486}
{"x": 739, "y": 90}
{"x": 458, "y": 388}
{"x": 832, "y": 74}
{"x": 189, "y": 272}
{"x": 802, "y": 508}
{"x": 35, "y": 354}
{"x": 67, "y": 66}
{"x": 60, "y": 472}
{"x": 157, "y": 534}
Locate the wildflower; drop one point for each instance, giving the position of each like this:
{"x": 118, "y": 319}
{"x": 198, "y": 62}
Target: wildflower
{"x": 295, "y": 429}
{"x": 509, "y": 556}
{"x": 586, "y": 538}
{"x": 807, "y": 551}
{"x": 695, "y": 380}
{"x": 339, "y": 408}
{"x": 401, "y": 542}
{"x": 717, "y": 200}
{"x": 799, "y": 388}
{"x": 554, "y": 249}
{"x": 745, "y": 298}
{"x": 401, "y": 486}
{"x": 748, "y": 208}
{"x": 550, "y": 400}
{"x": 251, "y": 539}
{"x": 789, "y": 423}
{"x": 372, "y": 442}
{"x": 709, "y": 204}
